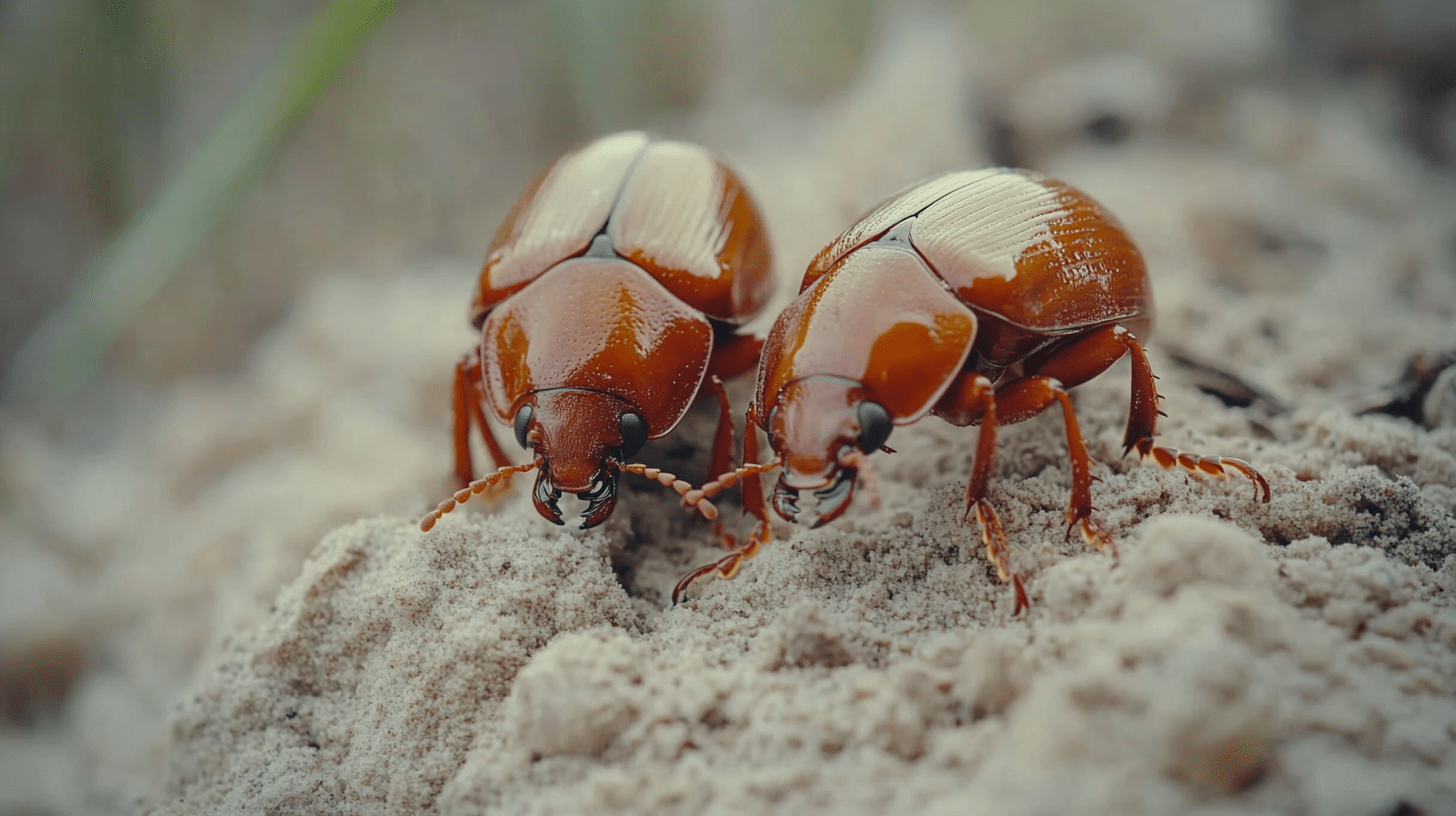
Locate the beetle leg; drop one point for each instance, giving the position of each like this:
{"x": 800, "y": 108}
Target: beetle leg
{"x": 1092, "y": 354}
{"x": 753, "y": 500}
{"x": 722, "y": 459}
{"x": 971, "y": 399}
{"x": 737, "y": 354}
{"x": 1142, "y": 415}
{"x": 726, "y": 567}
{"x": 468, "y": 396}
{"x": 1030, "y": 396}
{"x": 996, "y": 550}
{"x": 1142, "y": 425}
{"x": 478, "y": 486}
{"x": 466, "y": 387}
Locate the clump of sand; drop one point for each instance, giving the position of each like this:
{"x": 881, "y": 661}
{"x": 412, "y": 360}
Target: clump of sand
{"x": 489, "y": 667}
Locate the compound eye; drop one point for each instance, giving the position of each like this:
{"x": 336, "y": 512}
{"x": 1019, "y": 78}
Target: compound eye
{"x": 523, "y": 424}
{"x": 874, "y": 424}
{"x": 634, "y": 434}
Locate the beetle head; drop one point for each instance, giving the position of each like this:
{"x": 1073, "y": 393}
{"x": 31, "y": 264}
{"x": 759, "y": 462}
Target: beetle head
{"x": 581, "y": 437}
{"x": 821, "y": 427}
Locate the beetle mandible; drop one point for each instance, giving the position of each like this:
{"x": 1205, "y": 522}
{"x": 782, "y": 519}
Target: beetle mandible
{"x": 611, "y": 294}
{"x": 980, "y": 296}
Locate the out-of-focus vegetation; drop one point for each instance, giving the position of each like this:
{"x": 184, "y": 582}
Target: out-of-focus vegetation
{"x": 67, "y": 349}
{"x": 204, "y": 160}
{"x": 151, "y": 205}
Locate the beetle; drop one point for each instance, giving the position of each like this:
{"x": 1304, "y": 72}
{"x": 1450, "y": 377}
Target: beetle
{"x": 612, "y": 294}
{"x": 981, "y": 296}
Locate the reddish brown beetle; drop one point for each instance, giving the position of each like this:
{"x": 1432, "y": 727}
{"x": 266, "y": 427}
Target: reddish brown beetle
{"x": 610, "y": 295}
{"x": 980, "y": 296}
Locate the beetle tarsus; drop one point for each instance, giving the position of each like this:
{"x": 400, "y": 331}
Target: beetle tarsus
{"x": 1216, "y": 466}
{"x": 1094, "y": 536}
{"x": 726, "y": 567}
{"x": 1022, "y": 602}
{"x": 993, "y": 535}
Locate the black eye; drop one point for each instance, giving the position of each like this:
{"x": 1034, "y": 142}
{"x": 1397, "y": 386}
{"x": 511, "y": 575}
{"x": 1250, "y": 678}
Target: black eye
{"x": 523, "y": 424}
{"x": 634, "y": 434}
{"x": 874, "y": 425}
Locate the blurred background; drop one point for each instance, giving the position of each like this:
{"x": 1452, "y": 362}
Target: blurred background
{"x": 250, "y": 145}
{"x": 238, "y": 238}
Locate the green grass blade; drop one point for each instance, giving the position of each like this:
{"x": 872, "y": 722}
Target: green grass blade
{"x": 70, "y": 346}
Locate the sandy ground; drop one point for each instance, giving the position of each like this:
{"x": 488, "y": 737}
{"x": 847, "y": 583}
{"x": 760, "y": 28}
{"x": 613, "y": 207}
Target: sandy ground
{"x": 225, "y": 582}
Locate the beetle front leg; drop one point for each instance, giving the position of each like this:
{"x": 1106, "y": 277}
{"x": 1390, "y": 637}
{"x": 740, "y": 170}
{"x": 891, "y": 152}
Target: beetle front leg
{"x": 971, "y": 399}
{"x": 468, "y": 396}
{"x": 754, "y": 504}
{"x": 722, "y": 458}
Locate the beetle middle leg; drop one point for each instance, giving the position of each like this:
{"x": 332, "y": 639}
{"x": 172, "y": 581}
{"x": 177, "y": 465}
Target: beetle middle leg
{"x": 1024, "y": 398}
{"x": 971, "y": 399}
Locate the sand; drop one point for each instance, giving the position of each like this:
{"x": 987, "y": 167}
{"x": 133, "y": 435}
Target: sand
{"x": 215, "y": 597}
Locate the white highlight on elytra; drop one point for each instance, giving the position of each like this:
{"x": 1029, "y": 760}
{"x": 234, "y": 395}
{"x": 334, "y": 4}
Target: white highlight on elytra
{"x": 1001, "y": 213}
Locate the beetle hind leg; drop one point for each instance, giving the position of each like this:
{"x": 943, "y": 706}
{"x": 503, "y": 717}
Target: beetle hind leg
{"x": 1142, "y": 422}
{"x": 1216, "y": 466}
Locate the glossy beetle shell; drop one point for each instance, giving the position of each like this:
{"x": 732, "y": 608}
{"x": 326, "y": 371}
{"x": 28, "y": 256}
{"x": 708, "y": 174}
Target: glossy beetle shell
{"x": 1008, "y": 258}
{"x": 670, "y": 207}
{"x": 689, "y": 246}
